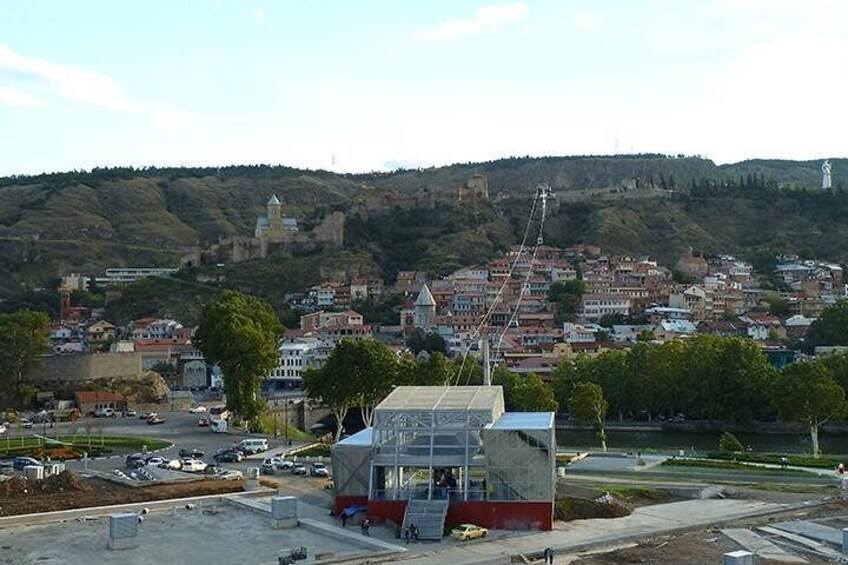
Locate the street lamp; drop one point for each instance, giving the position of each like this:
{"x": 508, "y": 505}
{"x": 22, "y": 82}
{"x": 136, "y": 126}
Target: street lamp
{"x": 286, "y": 408}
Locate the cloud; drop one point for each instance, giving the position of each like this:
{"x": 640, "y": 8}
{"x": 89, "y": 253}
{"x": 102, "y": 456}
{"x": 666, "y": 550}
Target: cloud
{"x": 74, "y": 83}
{"x": 486, "y": 19}
{"x": 17, "y": 97}
{"x": 257, "y": 14}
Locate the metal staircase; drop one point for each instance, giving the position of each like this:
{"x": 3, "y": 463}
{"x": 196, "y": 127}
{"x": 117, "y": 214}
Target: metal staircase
{"x": 428, "y": 515}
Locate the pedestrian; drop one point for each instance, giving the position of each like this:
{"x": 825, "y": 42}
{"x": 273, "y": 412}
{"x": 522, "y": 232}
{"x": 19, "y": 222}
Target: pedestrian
{"x": 841, "y": 469}
{"x": 406, "y": 535}
{"x": 366, "y": 525}
{"x": 343, "y": 516}
{"x": 549, "y": 555}
{"x": 413, "y": 531}
{"x": 784, "y": 462}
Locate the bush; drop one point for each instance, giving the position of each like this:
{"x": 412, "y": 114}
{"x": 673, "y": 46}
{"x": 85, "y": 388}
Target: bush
{"x": 774, "y": 459}
{"x": 730, "y": 443}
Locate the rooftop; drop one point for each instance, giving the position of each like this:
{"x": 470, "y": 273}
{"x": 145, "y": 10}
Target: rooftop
{"x": 443, "y": 398}
{"x": 525, "y": 421}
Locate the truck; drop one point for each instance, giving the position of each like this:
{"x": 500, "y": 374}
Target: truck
{"x": 62, "y": 410}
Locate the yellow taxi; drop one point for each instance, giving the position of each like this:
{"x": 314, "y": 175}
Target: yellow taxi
{"x": 468, "y": 531}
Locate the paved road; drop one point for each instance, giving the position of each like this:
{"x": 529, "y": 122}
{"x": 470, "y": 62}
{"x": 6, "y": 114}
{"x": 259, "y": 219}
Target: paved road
{"x": 179, "y": 428}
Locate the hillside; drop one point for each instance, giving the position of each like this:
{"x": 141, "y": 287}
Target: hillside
{"x": 84, "y": 222}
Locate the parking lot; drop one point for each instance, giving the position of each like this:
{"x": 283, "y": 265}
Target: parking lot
{"x": 179, "y": 428}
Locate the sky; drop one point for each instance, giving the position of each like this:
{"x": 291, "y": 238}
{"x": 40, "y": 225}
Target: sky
{"x": 363, "y": 85}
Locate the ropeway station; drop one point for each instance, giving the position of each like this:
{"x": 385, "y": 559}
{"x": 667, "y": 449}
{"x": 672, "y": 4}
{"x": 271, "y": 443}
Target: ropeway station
{"x": 450, "y": 454}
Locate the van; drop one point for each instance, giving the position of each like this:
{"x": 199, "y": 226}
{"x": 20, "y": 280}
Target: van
{"x": 253, "y": 445}
{"x": 218, "y": 426}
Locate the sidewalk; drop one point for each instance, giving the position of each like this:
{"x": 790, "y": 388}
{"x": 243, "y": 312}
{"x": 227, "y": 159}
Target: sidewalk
{"x": 644, "y": 522}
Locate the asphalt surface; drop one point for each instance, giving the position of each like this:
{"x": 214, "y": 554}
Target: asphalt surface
{"x": 179, "y": 428}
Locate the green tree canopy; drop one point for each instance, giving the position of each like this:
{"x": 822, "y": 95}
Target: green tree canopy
{"x": 806, "y": 392}
{"x": 831, "y": 328}
{"x": 588, "y": 407}
{"x": 240, "y": 333}
{"x": 24, "y": 340}
{"x": 357, "y": 373}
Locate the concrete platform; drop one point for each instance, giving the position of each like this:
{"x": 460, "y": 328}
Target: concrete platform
{"x": 755, "y": 543}
{"x": 216, "y": 533}
{"x": 811, "y": 530}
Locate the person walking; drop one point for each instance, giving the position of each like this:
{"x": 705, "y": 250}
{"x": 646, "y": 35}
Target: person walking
{"x": 366, "y": 525}
{"x": 549, "y": 555}
{"x": 343, "y": 516}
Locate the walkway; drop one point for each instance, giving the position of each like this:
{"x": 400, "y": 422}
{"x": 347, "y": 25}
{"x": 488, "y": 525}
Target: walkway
{"x": 644, "y": 522}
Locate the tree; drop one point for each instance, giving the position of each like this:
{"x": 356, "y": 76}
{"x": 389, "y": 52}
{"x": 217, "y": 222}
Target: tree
{"x": 589, "y": 407}
{"x": 434, "y": 371}
{"x": 24, "y": 340}
{"x": 431, "y": 342}
{"x": 240, "y": 333}
{"x": 565, "y": 296}
{"x": 806, "y": 392}
{"x": 778, "y": 306}
{"x": 357, "y": 372}
{"x": 534, "y": 395}
{"x": 831, "y": 328}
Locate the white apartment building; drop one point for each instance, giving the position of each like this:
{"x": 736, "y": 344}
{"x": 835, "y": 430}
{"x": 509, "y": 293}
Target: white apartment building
{"x": 296, "y": 356}
{"x": 600, "y": 304}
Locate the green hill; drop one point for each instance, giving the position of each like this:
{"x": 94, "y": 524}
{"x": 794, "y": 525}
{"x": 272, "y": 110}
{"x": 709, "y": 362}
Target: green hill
{"x": 56, "y": 224}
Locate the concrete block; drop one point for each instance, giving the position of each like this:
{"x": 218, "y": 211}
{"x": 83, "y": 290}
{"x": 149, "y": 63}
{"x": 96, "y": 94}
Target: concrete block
{"x": 251, "y": 481}
{"x": 123, "y": 531}
{"x": 283, "y": 507}
{"x": 844, "y": 540}
{"x": 283, "y": 512}
{"x": 34, "y": 472}
{"x": 738, "y": 558}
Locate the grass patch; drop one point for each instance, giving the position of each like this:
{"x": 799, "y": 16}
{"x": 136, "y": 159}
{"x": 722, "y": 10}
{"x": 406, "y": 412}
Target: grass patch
{"x": 267, "y": 425}
{"x": 729, "y": 466}
{"x": 93, "y": 445}
{"x": 320, "y": 450}
{"x": 774, "y": 459}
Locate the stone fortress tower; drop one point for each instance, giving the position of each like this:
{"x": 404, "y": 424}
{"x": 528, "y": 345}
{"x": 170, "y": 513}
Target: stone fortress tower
{"x": 425, "y": 309}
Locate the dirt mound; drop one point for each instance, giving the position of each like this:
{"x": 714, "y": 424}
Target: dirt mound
{"x": 66, "y": 481}
{"x": 581, "y": 508}
{"x": 16, "y": 487}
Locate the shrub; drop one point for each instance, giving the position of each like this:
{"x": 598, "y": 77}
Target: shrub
{"x": 729, "y": 443}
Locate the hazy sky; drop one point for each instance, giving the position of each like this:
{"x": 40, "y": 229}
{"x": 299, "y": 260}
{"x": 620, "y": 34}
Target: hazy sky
{"x": 352, "y": 85}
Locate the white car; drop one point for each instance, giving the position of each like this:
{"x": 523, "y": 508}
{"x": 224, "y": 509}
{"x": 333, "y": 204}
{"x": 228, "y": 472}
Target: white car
{"x": 156, "y": 461}
{"x": 172, "y": 464}
{"x": 197, "y": 410}
{"x": 2, "y": 429}
{"x": 229, "y": 475}
{"x": 193, "y": 466}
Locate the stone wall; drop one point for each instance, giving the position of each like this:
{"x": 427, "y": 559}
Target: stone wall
{"x": 70, "y": 368}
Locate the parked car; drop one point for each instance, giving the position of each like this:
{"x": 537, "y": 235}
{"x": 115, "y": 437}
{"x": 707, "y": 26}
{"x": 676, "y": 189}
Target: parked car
{"x": 135, "y": 461}
{"x": 171, "y": 464}
{"x": 468, "y": 531}
{"x": 104, "y": 413}
{"x": 191, "y": 453}
{"x": 204, "y": 422}
{"x": 148, "y": 415}
{"x": 253, "y": 445}
{"x": 318, "y": 470}
{"x": 298, "y": 469}
{"x": 155, "y": 420}
{"x": 218, "y": 426}
{"x": 26, "y": 423}
{"x": 229, "y": 475}
{"x": 128, "y": 413}
{"x": 197, "y": 410}
{"x": 229, "y": 456}
{"x": 18, "y": 463}
{"x": 192, "y": 465}
{"x": 155, "y": 461}
{"x": 212, "y": 469}
{"x": 271, "y": 464}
